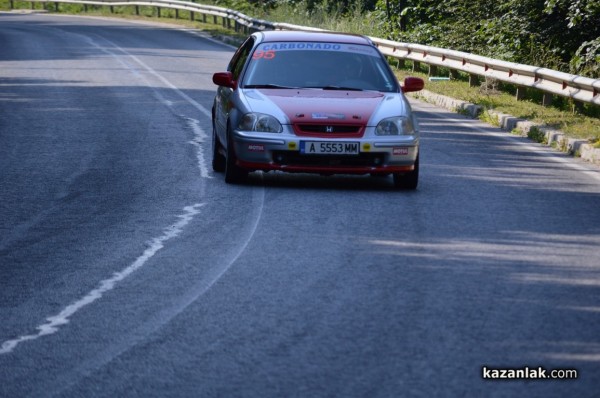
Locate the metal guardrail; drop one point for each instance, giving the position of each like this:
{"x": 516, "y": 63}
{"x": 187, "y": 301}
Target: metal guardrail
{"x": 564, "y": 84}
{"x": 241, "y": 20}
{"x": 547, "y": 80}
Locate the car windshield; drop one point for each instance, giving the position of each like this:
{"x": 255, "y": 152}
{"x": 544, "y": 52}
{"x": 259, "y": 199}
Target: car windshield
{"x": 328, "y": 66}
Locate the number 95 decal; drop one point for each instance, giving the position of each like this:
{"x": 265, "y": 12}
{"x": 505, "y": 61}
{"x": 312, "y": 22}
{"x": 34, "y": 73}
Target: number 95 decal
{"x": 259, "y": 54}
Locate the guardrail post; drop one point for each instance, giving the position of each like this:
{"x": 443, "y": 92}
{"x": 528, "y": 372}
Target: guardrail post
{"x": 158, "y": 12}
{"x": 215, "y": 19}
{"x": 473, "y": 80}
{"x": 137, "y": 10}
{"x": 547, "y": 99}
{"x": 416, "y": 66}
{"x": 520, "y": 93}
{"x": 12, "y": 4}
{"x": 191, "y": 15}
{"x": 112, "y": 9}
{"x": 400, "y": 64}
{"x": 56, "y": 8}
{"x": 204, "y": 18}
{"x": 32, "y": 5}
{"x": 176, "y": 13}
{"x": 454, "y": 74}
{"x": 432, "y": 70}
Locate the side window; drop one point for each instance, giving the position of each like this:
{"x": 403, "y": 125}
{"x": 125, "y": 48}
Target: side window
{"x": 239, "y": 59}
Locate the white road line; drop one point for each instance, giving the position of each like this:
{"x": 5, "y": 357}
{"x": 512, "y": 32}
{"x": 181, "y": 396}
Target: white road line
{"x": 62, "y": 318}
{"x": 198, "y": 141}
{"x": 89, "y": 365}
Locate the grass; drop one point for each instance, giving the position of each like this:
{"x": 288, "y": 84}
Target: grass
{"x": 575, "y": 120}
{"x": 353, "y": 21}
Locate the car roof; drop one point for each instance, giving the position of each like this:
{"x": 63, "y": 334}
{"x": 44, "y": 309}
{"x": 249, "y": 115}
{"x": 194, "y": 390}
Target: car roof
{"x": 301, "y": 35}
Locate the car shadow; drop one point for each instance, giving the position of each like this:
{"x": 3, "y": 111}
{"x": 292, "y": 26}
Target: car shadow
{"x": 343, "y": 182}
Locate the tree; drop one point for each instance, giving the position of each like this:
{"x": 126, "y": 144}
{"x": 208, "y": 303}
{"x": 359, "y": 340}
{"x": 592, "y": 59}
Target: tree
{"x": 558, "y": 34}
{"x": 582, "y": 33}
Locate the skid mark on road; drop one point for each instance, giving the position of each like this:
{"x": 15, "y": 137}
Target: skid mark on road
{"x": 54, "y": 322}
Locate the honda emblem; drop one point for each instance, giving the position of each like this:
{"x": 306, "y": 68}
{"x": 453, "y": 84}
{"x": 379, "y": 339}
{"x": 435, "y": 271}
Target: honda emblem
{"x": 329, "y": 129}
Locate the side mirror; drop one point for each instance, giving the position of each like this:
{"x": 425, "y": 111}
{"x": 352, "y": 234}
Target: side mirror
{"x": 413, "y": 84}
{"x": 224, "y": 79}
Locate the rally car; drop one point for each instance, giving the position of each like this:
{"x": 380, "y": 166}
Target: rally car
{"x": 313, "y": 102}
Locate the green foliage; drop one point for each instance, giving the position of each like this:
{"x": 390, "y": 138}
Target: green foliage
{"x": 335, "y": 7}
{"x": 536, "y": 135}
{"x": 557, "y": 34}
{"x": 582, "y": 33}
{"x": 586, "y": 60}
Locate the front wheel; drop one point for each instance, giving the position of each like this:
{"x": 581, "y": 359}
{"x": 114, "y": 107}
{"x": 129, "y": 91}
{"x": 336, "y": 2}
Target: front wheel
{"x": 408, "y": 181}
{"x": 233, "y": 173}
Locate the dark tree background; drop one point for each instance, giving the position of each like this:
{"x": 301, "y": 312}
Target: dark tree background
{"x": 558, "y": 34}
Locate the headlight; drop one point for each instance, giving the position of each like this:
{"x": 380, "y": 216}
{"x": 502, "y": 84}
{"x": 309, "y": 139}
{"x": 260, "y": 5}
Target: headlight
{"x": 260, "y": 122}
{"x": 395, "y": 126}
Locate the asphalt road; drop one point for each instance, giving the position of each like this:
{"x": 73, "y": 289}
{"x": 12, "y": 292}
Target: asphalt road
{"x": 128, "y": 268}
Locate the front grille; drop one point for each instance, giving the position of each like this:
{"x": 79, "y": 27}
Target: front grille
{"x": 328, "y": 129}
{"x": 291, "y": 158}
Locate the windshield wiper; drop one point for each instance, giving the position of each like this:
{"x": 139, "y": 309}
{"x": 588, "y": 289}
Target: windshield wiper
{"x": 266, "y": 86}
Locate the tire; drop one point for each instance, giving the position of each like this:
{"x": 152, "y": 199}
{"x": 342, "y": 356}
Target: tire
{"x": 408, "y": 181}
{"x": 233, "y": 173}
{"x": 218, "y": 160}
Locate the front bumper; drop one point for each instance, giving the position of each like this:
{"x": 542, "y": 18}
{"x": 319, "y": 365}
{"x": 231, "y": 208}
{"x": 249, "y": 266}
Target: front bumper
{"x": 281, "y": 151}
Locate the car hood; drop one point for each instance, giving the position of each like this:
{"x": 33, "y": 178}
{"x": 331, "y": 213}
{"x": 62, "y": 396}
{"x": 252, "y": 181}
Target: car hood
{"x": 330, "y": 106}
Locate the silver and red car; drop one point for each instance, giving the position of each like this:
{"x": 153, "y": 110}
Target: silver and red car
{"x": 313, "y": 102}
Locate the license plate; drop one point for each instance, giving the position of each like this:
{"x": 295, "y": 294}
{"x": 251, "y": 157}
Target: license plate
{"x": 329, "y": 148}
